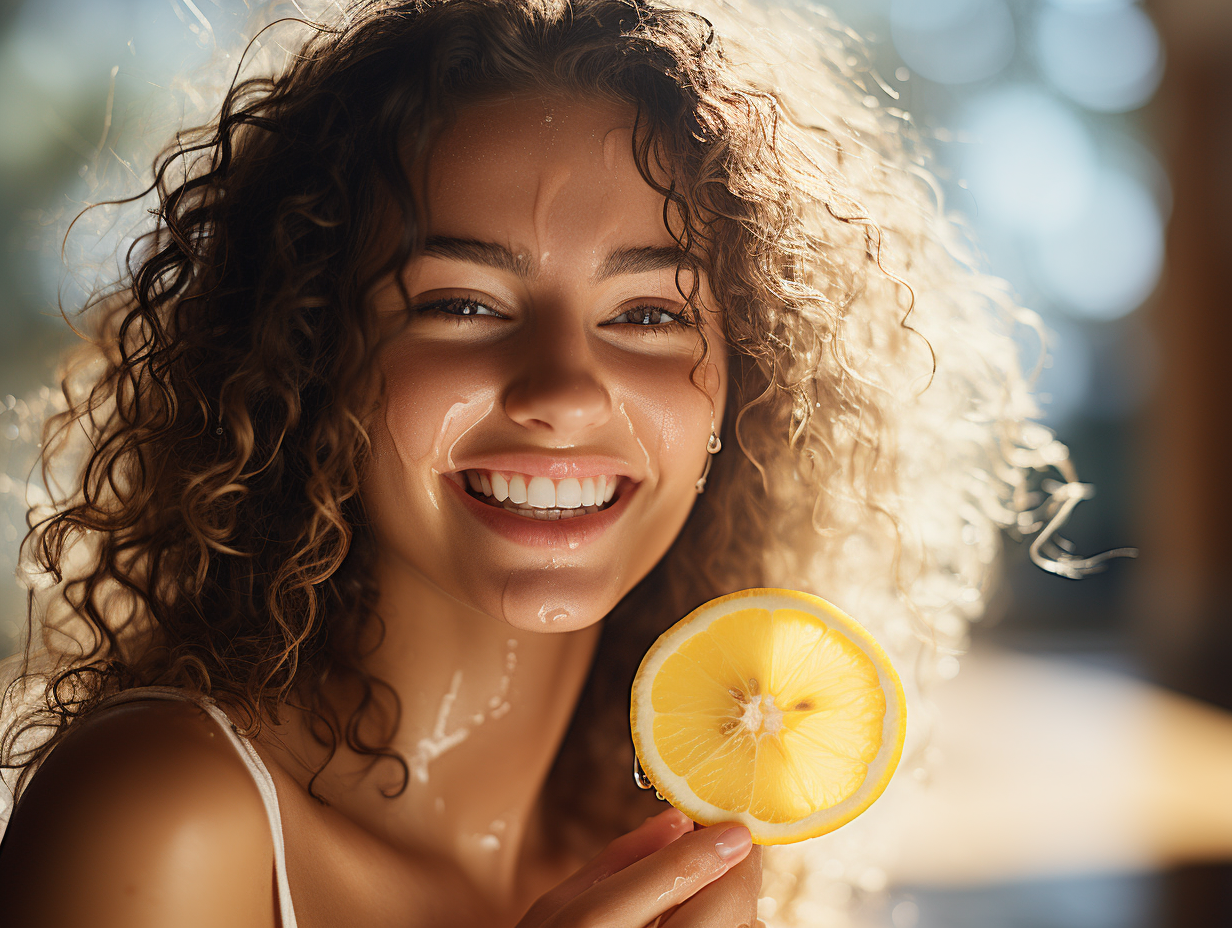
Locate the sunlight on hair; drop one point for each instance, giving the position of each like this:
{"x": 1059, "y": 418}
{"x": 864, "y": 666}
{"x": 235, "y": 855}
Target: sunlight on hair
{"x": 890, "y": 440}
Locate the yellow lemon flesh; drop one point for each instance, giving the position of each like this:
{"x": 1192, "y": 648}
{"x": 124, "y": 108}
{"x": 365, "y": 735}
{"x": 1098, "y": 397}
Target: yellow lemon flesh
{"x": 770, "y": 708}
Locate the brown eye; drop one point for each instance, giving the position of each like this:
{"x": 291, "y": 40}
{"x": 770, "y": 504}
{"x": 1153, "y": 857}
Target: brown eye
{"x": 458, "y": 307}
{"x": 651, "y": 316}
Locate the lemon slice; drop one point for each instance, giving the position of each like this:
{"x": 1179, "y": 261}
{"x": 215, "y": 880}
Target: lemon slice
{"x": 770, "y": 708}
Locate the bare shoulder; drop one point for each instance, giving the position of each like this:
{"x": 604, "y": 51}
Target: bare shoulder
{"x": 143, "y": 815}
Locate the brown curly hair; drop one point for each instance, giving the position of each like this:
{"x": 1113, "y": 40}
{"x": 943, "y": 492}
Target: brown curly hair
{"x": 214, "y": 538}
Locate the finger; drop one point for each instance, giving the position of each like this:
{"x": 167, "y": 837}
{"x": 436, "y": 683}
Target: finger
{"x": 656, "y": 832}
{"x": 728, "y": 902}
{"x": 649, "y": 887}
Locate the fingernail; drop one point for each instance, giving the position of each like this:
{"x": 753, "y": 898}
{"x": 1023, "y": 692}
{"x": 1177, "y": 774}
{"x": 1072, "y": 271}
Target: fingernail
{"x": 732, "y": 842}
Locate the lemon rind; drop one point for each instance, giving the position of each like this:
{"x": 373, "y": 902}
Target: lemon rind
{"x": 893, "y": 732}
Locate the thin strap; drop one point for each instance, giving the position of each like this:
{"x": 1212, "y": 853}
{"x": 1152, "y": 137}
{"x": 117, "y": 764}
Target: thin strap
{"x": 260, "y": 774}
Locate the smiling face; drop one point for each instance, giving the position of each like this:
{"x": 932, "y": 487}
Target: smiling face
{"x": 540, "y": 434}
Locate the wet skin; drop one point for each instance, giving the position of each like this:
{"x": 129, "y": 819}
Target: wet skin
{"x": 540, "y": 365}
{"x": 524, "y": 348}
{"x": 522, "y": 355}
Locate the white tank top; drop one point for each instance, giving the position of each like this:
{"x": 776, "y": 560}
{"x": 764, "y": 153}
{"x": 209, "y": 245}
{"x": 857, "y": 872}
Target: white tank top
{"x": 260, "y": 775}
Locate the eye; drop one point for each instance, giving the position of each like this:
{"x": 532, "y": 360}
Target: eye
{"x": 458, "y": 307}
{"x": 651, "y": 317}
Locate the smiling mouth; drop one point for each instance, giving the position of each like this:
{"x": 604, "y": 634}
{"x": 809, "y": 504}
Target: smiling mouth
{"x": 542, "y": 498}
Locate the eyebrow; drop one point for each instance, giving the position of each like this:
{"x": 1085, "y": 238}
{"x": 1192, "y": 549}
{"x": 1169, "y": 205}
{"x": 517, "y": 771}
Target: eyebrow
{"x": 489, "y": 254}
{"x": 631, "y": 260}
{"x": 642, "y": 260}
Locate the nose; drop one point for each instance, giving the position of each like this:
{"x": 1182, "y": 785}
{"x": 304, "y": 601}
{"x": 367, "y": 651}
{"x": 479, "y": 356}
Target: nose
{"x": 558, "y": 390}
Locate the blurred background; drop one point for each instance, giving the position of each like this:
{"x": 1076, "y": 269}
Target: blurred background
{"x": 1088, "y": 143}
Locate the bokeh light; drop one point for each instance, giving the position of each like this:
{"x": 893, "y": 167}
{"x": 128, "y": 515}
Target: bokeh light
{"x": 1105, "y": 56}
{"x": 1032, "y": 162}
{"x": 953, "y": 41}
{"x": 1105, "y": 263}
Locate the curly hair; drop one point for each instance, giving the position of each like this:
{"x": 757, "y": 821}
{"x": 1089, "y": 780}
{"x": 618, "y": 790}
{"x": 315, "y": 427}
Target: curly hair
{"x": 214, "y": 538}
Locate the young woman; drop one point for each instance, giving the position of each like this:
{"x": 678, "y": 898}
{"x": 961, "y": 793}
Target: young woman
{"x": 466, "y": 355}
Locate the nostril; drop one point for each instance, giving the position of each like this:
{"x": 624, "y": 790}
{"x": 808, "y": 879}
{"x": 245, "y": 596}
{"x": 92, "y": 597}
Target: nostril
{"x": 561, "y": 405}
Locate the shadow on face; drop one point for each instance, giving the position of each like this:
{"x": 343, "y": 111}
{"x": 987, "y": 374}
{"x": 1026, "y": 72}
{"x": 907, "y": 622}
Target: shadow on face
{"x": 542, "y": 427}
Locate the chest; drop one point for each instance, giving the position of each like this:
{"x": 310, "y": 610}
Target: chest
{"x": 342, "y": 875}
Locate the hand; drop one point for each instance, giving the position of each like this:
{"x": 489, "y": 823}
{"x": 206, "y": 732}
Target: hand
{"x": 705, "y": 877}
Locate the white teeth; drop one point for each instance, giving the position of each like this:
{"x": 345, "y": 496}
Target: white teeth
{"x": 517, "y": 489}
{"x": 541, "y": 493}
{"x": 543, "y": 515}
{"x": 500, "y": 487}
{"x": 569, "y": 493}
{"x": 542, "y": 497}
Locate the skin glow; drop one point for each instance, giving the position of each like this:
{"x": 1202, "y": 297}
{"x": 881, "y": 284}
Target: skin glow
{"x": 545, "y": 344}
{"x": 547, "y": 335}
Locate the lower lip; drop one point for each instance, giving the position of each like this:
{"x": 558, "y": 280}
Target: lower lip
{"x": 564, "y": 533}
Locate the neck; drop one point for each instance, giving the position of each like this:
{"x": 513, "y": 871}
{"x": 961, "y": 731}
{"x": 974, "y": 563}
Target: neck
{"x": 484, "y": 707}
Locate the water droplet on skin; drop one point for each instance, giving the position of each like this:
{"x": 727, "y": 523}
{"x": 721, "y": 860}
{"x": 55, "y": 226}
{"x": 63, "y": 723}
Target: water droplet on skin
{"x": 430, "y": 748}
{"x": 449, "y": 416}
{"x": 489, "y": 843}
{"x": 680, "y": 881}
{"x": 550, "y": 616}
{"x": 633, "y": 432}
{"x": 455, "y": 412}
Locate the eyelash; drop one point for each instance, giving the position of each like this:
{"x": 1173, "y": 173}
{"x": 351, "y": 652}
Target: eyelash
{"x": 442, "y": 307}
{"x": 678, "y": 320}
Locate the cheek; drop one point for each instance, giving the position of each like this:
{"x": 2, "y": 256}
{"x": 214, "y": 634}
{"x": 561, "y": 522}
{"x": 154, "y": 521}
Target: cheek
{"x": 424, "y": 394}
{"x": 431, "y": 400}
{"x": 672, "y": 418}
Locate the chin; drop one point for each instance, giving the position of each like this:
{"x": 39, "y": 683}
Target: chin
{"x": 534, "y": 603}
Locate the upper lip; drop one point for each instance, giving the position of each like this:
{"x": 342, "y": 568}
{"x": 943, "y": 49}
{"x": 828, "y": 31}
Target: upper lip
{"x": 553, "y": 466}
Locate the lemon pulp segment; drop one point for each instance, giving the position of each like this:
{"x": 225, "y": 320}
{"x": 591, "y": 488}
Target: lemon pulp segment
{"x": 769, "y": 713}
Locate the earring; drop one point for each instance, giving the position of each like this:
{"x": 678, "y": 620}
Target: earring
{"x": 713, "y": 446}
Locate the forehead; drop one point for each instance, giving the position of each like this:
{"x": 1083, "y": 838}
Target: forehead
{"x": 548, "y": 174}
